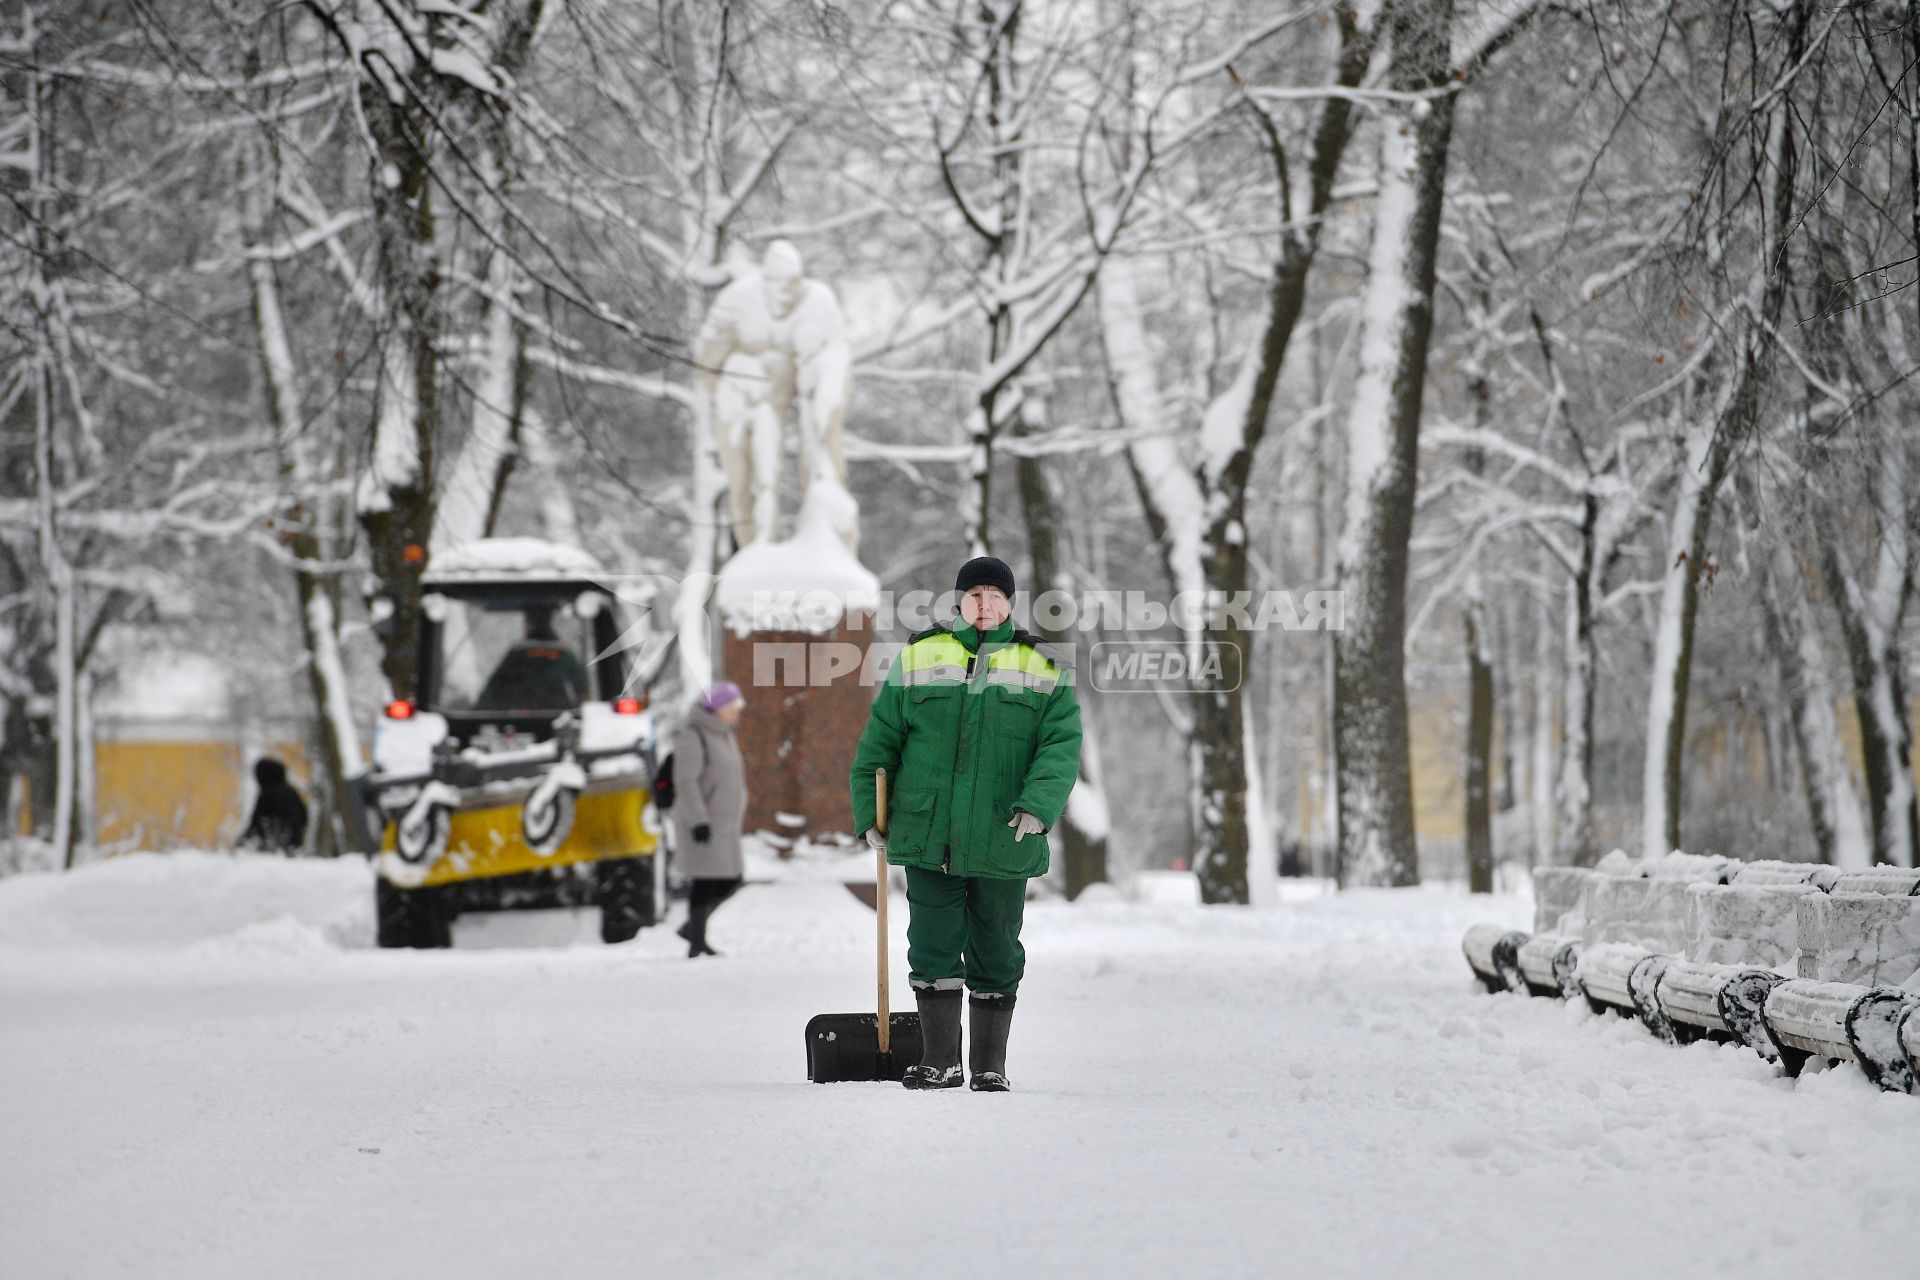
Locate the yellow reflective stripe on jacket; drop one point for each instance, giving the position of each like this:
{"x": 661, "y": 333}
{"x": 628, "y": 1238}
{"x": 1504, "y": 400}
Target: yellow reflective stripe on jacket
{"x": 933, "y": 675}
{"x": 942, "y": 658}
{"x": 932, "y": 652}
{"x": 999, "y": 673}
{"x": 1022, "y": 664}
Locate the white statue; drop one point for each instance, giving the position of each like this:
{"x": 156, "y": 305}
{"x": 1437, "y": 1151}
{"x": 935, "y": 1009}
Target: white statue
{"x": 773, "y": 343}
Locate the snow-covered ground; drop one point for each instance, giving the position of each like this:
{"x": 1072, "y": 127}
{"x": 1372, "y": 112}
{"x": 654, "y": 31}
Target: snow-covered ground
{"x": 206, "y": 1071}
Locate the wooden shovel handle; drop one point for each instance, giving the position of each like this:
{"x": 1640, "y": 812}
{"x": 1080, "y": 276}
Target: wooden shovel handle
{"x": 880, "y": 903}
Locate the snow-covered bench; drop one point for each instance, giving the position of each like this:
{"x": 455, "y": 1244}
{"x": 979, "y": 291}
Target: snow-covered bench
{"x": 1760, "y": 875}
{"x": 1642, "y": 903}
{"x": 1892, "y": 882}
{"x": 1875, "y": 1027}
{"x": 1549, "y": 963}
{"x": 1493, "y": 954}
{"x": 1793, "y": 960}
{"x": 1719, "y": 1001}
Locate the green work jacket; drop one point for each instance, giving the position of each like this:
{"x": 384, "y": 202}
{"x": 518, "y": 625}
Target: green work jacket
{"x": 968, "y": 730}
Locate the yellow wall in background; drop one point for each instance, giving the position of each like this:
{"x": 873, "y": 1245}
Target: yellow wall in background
{"x": 175, "y": 794}
{"x": 1437, "y": 727}
{"x": 1437, "y": 730}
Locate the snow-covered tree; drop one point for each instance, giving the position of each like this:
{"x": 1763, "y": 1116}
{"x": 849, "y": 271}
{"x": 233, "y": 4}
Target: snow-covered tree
{"x": 117, "y": 468}
{"x": 1194, "y": 482}
{"x": 424, "y": 74}
{"x": 1383, "y": 429}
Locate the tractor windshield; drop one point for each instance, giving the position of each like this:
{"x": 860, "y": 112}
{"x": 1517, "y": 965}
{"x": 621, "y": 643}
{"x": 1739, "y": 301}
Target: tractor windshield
{"x": 513, "y": 656}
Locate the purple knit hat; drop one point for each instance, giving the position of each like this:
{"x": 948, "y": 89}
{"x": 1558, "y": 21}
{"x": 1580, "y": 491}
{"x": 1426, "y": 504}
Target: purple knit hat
{"x": 722, "y": 693}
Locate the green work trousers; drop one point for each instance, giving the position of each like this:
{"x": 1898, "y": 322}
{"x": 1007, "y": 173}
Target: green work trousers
{"x": 965, "y": 927}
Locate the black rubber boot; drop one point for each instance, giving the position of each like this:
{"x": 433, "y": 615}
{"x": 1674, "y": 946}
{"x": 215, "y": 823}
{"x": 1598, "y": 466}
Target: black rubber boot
{"x": 695, "y": 932}
{"x": 988, "y": 1018}
{"x": 939, "y": 1065}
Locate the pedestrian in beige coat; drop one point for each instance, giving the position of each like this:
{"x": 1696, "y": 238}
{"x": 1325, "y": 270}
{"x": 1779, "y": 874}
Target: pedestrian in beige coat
{"x": 710, "y": 806}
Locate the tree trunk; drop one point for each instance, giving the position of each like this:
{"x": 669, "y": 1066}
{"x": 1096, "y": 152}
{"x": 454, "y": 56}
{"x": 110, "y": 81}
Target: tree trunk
{"x": 1573, "y": 844}
{"x": 1263, "y": 844}
{"x": 1479, "y": 749}
{"x": 1217, "y": 772}
{"x": 1370, "y": 696}
{"x": 1507, "y": 710}
{"x": 1000, "y": 20}
{"x": 1673, "y": 648}
{"x": 48, "y": 469}
{"x": 1709, "y": 453}
{"x": 1084, "y": 826}
{"x": 469, "y": 507}
{"x": 470, "y": 504}
{"x": 1833, "y": 807}
{"x": 336, "y": 744}
{"x": 559, "y": 519}
{"x": 396, "y": 496}
{"x": 1879, "y": 693}
{"x": 709, "y": 536}
{"x": 66, "y": 670}
{"x": 1542, "y": 783}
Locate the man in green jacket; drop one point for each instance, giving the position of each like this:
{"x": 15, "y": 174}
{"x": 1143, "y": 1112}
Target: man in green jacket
{"x": 979, "y": 733}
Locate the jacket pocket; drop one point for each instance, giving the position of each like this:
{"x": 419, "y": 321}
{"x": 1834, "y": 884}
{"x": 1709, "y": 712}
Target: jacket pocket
{"x": 933, "y": 706}
{"x": 1013, "y": 732}
{"x": 1008, "y": 858}
{"x": 1014, "y": 714}
{"x": 910, "y": 819}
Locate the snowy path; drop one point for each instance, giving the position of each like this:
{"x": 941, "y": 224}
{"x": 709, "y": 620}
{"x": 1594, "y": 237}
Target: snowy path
{"x": 1316, "y": 1090}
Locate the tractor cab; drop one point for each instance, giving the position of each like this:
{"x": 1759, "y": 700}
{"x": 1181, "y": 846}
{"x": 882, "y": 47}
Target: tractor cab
{"x": 520, "y": 771}
{"x": 509, "y": 660}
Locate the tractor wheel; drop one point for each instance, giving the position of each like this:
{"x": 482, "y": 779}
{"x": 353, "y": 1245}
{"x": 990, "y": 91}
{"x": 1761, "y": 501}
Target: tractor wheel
{"x": 411, "y": 917}
{"x": 624, "y": 889}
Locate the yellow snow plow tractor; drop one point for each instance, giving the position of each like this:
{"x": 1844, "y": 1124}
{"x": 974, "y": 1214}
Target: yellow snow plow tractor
{"x": 520, "y": 773}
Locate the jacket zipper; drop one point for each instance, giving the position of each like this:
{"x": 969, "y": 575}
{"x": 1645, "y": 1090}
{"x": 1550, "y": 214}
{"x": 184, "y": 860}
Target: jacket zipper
{"x": 953, "y": 778}
{"x": 973, "y": 658}
{"x": 946, "y": 859}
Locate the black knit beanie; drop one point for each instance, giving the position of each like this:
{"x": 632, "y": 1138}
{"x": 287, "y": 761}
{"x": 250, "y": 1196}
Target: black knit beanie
{"x": 984, "y": 571}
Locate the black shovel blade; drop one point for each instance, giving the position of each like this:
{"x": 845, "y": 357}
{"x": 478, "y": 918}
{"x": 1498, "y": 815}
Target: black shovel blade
{"x": 846, "y": 1046}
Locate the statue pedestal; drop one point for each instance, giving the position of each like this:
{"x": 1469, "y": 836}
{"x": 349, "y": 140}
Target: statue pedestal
{"x": 807, "y": 702}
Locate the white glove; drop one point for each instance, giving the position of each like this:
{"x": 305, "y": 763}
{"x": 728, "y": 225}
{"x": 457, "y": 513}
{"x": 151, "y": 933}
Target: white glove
{"x": 876, "y": 839}
{"x": 1025, "y": 824}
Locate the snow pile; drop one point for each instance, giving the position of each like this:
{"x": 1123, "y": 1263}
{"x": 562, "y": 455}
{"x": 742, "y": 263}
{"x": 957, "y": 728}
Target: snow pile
{"x": 1899, "y": 882}
{"x": 250, "y": 904}
{"x": 1646, "y": 913}
{"x": 1737, "y": 924}
{"x": 1862, "y": 938}
{"x": 1770, "y": 872}
{"x": 1693, "y": 867}
{"x": 1557, "y": 894}
{"x": 1165, "y": 888}
{"x": 1617, "y": 863}
{"x": 804, "y": 583}
{"x": 485, "y": 558}
{"x": 284, "y": 939}
{"x": 26, "y": 853}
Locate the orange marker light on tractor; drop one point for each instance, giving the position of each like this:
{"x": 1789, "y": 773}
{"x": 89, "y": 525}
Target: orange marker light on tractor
{"x": 400, "y": 709}
{"x": 629, "y": 706}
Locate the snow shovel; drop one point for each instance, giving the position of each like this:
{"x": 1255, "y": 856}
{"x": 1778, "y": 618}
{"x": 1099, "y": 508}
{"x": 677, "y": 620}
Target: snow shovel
{"x": 866, "y": 1046}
